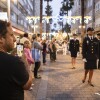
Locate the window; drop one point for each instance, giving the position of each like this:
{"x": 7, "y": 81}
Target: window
{"x": 20, "y": 20}
{"x": 13, "y": 16}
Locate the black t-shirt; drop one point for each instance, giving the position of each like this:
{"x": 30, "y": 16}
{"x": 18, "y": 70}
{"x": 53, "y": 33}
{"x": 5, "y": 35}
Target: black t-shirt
{"x": 13, "y": 76}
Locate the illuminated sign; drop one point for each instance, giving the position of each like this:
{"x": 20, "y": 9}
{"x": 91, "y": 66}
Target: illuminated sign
{"x": 3, "y": 16}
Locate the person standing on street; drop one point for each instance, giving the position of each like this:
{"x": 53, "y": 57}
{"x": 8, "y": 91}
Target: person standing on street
{"x": 98, "y": 35}
{"x": 44, "y": 51}
{"x": 74, "y": 49}
{"x": 90, "y": 55}
{"x": 53, "y": 50}
{"x": 15, "y": 76}
{"x": 36, "y": 54}
{"x": 24, "y": 38}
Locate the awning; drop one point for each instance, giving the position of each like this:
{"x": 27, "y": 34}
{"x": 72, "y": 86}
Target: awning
{"x": 17, "y": 31}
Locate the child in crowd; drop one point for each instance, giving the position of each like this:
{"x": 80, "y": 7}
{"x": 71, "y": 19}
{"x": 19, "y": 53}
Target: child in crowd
{"x": 28, "y": 55}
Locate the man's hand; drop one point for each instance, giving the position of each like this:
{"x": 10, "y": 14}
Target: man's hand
{"x": 97, "y": 60}
{"x": 69, "y": 52}
{"x": 78, "y": 53}
{"x": 84, "y": 60}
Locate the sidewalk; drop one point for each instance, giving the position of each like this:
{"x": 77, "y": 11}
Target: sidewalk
{"x": 60, "y": 82}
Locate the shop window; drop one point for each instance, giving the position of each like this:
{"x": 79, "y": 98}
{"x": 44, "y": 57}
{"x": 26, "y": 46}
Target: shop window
{"x": 20, "y": 21}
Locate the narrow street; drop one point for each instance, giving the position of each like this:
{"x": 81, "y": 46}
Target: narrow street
{"x": 60, "y": 82}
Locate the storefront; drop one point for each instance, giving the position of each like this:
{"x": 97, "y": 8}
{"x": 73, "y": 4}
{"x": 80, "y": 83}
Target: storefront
{"x": 17, "y": 32}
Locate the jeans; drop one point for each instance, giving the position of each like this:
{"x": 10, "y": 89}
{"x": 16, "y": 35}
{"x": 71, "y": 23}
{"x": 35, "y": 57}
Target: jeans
{"x": 44, "y": 57}
{"x": 37, "y": 66}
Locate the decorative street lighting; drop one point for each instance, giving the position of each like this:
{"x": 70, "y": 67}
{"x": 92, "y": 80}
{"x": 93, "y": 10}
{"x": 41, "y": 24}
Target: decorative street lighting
{"x": 34, "y": 26}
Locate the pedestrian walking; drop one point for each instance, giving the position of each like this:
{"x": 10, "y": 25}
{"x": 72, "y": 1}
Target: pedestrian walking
{"x": 74, "y": 49}
{"x": 90, "y": 54}
{"x": 98, "y": 35}
{"x": 15, "y": 76}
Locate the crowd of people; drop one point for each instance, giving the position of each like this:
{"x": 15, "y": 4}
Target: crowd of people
{"x": 16, "y": 62}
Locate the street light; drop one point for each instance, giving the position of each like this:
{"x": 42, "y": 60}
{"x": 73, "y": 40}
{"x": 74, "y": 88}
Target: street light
{"x": 34, "y": 26}
{"x": 81, "y": 26}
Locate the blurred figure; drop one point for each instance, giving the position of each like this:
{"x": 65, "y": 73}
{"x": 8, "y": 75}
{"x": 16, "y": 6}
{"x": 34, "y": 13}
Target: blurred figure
{"x": 74, "y": 49}
{"x": 44, "y": 51}
{"x": 98, "y": 35}
{"x": 64, "y": 44}
{"x": 24, "y": 38}
{"x": 90, "y": 55}
{"x": 53, "y": 50}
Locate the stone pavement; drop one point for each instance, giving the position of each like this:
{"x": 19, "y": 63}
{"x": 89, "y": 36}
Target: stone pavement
{"x": 60, "y": 82}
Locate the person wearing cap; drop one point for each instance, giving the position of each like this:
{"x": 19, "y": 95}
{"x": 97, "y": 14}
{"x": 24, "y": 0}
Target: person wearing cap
{"x": 89, "y": 53}
{"x": 98, "y": 35}
{"x": 74, "y": 49}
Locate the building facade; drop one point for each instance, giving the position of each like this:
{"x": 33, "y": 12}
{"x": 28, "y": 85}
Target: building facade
{"x": 91, "y": 8}
{"x": 97, "y": 15}
{"x": 19, "y": 10}
{"x": 76, "y": 11}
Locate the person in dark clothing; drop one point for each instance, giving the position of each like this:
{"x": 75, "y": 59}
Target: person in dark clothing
{"x": 98, "y": 35}
{"x": 15, "y": 76}
{"x": 74, "y": 49}
{"x": 90, "y": 55}
{"x": 53, "y": 50}
{"x": 44, "y": 51}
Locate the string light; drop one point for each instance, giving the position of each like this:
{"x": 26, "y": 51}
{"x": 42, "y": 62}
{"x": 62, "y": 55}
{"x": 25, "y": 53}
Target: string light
{"x": 73, "y": 19}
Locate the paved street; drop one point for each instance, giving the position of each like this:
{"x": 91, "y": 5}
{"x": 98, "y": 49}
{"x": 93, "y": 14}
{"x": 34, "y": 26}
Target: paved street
{"x": 60, "y": 82}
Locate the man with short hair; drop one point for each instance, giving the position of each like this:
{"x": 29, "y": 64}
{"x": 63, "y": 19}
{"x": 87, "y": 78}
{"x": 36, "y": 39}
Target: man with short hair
{"x": 15, "y": 77}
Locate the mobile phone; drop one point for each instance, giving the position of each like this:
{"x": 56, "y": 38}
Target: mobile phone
{"x": 19, "y": 50}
